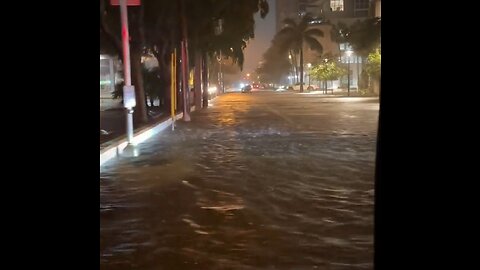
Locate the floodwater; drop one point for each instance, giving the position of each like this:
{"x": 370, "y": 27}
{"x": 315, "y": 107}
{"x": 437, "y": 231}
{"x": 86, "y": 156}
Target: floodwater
{"x": 261, "y": 180}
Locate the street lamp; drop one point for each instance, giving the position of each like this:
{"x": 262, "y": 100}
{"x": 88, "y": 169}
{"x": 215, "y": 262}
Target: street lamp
{"x": 348, "y": 53}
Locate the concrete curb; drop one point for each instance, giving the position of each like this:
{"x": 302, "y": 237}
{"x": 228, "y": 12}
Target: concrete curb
{"x": 115, "y": 147}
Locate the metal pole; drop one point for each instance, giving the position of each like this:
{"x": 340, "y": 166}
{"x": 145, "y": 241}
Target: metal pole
{"x": 186, "y": 91}
{"x": 221, "y": 74}
{"x": 205, "y": 80}
{"x": 357, "y": 63}
{"x": 309, "y": 77}
{"x": 125, "y": 43}
{"x": 185, "y": 65}
{"x": 128, "y": 88}
{"x": 348, "y": 76}
{"x": 175, "y": 90}
{"x": 172, "y": 89}
{"x": 126, "y": 70}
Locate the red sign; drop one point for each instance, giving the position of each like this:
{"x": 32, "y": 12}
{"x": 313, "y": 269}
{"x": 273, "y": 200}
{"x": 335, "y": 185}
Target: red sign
{"x": 129, "y": 2}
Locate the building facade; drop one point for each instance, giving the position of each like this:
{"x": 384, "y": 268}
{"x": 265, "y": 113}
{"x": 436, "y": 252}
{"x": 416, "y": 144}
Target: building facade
{"x": 331, "y": 12}
{"x": 109, "y": 77}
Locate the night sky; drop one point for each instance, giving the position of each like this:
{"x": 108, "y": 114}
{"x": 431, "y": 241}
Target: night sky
{"x": 264, "y": 32}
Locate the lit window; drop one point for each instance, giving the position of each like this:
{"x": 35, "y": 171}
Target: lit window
{"x": 336, "y": 5}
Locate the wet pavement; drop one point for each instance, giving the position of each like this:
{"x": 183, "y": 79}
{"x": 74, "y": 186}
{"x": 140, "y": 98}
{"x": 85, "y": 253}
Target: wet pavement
{"x": 264, "y": 180}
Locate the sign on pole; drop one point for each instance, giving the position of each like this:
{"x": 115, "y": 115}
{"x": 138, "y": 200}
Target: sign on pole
{"x": 129, "y": 96}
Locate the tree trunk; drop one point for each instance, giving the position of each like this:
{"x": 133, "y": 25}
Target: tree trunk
{"x": 376, "y": 86}
{"x": 178, "y": 80}
{"x": 185, "y": 66}
{"x": 115, "y": 40}
{"x": 301, "y": 69}
{"x": 137, "y": 80}
{"x": 357, "y": 63}
{"x": 198, "y": 80}
{"x": 205, "y": 80}
{"x": 295, "y": 67}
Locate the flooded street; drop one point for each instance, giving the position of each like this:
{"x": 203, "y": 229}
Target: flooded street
{"x": 262, "y": 180}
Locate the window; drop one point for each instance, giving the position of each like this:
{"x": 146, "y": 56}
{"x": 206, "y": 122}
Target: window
{"x": 345, "y": 47}
{"x": 361, "y": 7}
{"x": 362, "y": 4}
{"x": 336, "y": 5}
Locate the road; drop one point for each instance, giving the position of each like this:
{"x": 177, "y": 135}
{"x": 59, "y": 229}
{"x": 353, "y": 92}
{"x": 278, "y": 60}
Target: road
{"x": 261, "y": 180}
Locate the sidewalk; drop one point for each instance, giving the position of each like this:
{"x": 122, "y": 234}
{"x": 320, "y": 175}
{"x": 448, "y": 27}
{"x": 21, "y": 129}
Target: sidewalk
{"x": 112, "y": 145}
{"x": 113, "y": 121}
{"x": 337, "y": 92}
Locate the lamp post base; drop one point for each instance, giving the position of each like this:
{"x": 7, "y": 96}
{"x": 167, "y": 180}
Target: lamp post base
{"x": 130, "y": 150}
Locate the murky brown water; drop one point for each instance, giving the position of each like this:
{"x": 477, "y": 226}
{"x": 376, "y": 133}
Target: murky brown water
{"x": 258, "y": 181}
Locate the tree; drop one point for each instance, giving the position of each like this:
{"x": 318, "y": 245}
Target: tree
{"x": 374, "y": 63}
{"x": 237, "y": 23}
{"x": 374, "y": 68}
{"x": 154, "y": 86}
{"x": 340, "y": 33}
{"x": 275, "y": 62}
{"x": 364, "y": 36}
{"x": 163, "y": 31}
{"x": 294, "y": 34}
{"x": 328, "y": 71}
{"x": 155, "y": 29}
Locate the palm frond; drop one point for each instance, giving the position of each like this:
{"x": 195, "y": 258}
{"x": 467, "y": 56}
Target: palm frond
{"x": 314, "y": 32}
{"x": 290, "y": 22}
{"x": 314, "y": 44}
{"x": 305, "y": 22}
{"x": 264, "y": 8}
{"x": 286, "y": 31}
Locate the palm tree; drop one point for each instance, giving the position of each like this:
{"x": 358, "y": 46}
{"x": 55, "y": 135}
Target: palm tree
{"x": 294, "y": 34}
{"x": 340, "y": 33}
{"x": 365, "y": 36}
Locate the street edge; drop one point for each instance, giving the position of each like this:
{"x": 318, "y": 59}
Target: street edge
{"x": 140, "y": 135}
